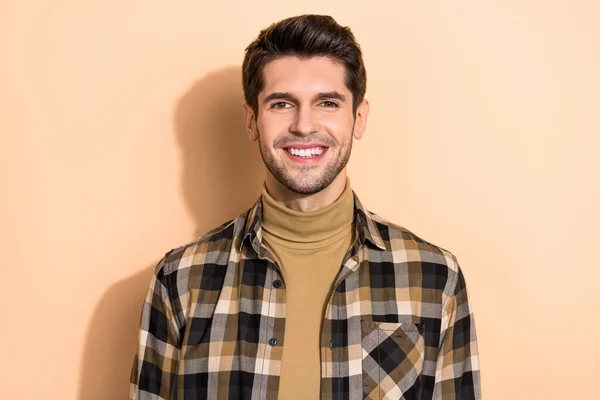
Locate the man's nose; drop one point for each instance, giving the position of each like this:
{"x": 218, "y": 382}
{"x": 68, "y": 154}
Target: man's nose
{"x": 305, "y": 121}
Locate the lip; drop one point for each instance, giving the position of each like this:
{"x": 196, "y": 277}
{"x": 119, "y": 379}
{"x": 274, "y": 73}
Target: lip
{"x": 304, "y": 146}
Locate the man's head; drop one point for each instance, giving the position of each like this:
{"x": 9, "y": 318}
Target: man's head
{"x": 304, "y": 85}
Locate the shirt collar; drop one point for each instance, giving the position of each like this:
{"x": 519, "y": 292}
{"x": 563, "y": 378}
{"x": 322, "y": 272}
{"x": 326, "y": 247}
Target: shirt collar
{"x": 366, "y": 228}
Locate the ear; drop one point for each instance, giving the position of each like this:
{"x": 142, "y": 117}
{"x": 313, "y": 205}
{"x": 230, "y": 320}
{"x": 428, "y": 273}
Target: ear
{"x": 360, "y": 123}
{"x": 250, "y": 122}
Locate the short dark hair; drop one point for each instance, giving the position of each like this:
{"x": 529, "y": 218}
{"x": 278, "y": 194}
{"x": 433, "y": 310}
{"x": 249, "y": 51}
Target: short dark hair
{"x": 304, "y": 36}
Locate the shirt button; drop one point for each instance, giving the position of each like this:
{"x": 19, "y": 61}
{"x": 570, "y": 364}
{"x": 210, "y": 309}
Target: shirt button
{"x": 276, "y": 283}
{"x": 273, "y": 342}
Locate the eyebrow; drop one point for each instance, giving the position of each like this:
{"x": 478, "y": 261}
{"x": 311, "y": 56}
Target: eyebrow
{"x": 279, "y": 96}
{"x": 288, "y": 96}
{"x": 332, "y": 95}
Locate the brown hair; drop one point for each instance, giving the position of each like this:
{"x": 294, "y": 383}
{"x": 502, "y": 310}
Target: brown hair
{"x": 304, "y": 36}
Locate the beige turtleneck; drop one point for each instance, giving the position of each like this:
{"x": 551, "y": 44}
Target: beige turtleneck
{"x": 309, "y": 248}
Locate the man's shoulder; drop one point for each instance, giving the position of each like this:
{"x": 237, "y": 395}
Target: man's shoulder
{"x": 213, "y": 247}
{"x": 407, "y": 246}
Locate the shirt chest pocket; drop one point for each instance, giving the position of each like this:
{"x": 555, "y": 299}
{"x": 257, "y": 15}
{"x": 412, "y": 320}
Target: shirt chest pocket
{"x": 392, "y": 360}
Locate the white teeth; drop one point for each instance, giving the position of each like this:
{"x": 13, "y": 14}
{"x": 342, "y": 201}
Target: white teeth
{"x": 306, "y": 152}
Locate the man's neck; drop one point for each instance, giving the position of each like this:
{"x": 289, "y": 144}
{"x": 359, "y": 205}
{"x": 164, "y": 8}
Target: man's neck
{"x": 306, "y": 202}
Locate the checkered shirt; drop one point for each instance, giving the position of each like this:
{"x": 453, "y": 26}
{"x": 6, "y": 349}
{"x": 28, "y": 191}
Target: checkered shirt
{"x": 397, "y": 323}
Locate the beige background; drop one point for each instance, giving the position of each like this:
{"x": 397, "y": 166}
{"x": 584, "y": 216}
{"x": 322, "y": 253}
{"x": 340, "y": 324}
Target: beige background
{"x": 122, "y": 137}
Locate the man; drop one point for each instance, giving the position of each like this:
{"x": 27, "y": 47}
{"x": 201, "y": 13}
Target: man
{"x": 307, "y": 295}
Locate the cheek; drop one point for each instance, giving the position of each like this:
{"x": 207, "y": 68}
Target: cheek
{"x": 272, "y": 126}
{"x": 340, "y": 128}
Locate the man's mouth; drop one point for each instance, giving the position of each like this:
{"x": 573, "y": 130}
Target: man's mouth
{"x": 306, "y": 153}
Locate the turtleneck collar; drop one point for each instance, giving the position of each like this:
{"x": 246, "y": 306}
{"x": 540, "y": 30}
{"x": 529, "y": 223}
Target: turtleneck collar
{"x": 308, "y": 227}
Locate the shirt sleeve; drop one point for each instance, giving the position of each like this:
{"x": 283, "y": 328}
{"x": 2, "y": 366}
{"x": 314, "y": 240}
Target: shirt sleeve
{"x": 457, "y": 373}
{"x": 155, "y": 363}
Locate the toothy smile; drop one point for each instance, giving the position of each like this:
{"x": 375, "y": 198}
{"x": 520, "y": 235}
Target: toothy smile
{"x": 306, "y": 153}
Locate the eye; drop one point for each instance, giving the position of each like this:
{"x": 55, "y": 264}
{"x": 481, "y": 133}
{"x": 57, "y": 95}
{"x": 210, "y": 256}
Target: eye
{"x": 329, "y": 104}
{"x": 280, "y": 105}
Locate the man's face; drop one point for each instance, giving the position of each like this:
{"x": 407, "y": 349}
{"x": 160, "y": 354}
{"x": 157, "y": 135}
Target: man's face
{"x": 305, "y": 122}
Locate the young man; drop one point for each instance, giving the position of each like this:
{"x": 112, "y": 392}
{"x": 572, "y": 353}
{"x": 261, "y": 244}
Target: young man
{"x": 307, "y": 295}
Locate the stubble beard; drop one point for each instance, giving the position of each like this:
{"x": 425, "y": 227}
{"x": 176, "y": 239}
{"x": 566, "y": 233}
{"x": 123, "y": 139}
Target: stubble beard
{"x": 305, "y": 184}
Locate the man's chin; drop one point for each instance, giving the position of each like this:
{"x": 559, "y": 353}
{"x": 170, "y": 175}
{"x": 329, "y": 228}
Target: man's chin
{"x": 305, "y": 186}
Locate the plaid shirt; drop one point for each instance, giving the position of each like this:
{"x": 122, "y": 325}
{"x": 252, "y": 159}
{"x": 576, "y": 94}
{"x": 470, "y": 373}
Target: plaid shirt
{"x": 397, "y": 324}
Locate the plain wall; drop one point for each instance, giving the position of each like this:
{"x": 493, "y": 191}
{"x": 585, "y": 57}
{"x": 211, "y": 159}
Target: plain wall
{"x": 122, "y": 137}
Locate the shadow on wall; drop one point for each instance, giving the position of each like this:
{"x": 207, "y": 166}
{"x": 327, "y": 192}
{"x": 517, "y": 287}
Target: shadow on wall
{"x": 221, "y": 177}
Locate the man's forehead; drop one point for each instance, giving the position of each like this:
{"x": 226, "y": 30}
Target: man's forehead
{"x": 318, "y": 73}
